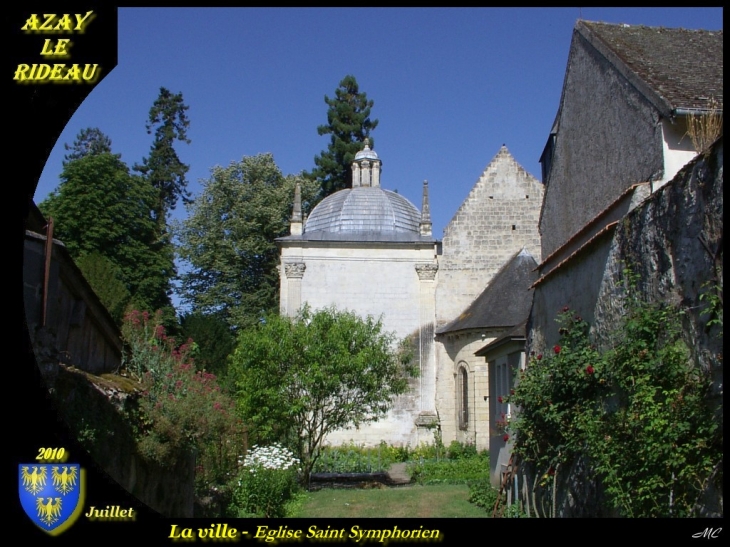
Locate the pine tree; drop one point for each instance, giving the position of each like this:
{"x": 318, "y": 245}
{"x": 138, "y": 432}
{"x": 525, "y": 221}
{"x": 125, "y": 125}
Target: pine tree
{"x": 348, "y": 123}
{"x": 163, "y": 168}
{"x": 89, "y": 141}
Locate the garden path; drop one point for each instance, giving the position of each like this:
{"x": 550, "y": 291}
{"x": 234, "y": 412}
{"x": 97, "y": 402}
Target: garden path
{"x": 398, "y": 474}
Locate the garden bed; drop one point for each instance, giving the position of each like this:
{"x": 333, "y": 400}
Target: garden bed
{"x": 317, "y": 481}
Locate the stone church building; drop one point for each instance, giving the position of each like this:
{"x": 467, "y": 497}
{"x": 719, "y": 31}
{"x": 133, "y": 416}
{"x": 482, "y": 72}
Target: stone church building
{"x": 370, "y": 250}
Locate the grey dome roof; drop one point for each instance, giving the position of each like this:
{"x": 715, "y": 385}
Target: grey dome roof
{"x": 364, "y": 209}
{"x": 367, "y": 153}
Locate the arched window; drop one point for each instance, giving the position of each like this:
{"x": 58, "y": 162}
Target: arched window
{"x": 462, "y": 395}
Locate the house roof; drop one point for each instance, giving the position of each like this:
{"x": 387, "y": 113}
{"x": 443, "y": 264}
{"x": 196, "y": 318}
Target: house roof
{"x": 505, "y": 302}
{"x": 684, "y": 68}
{"x": 516, "y": 334}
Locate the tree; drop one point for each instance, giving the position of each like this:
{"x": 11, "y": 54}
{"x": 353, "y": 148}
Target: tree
{"x": 99, "y": 207}
{"x": 214, "y": 341}
{"x": 301, "y": 378}
{"x": 229, "y": 237}
{"x": 348, "y": 123}
{"x": 107, "y": 280}
{"x": 90, "y": 141}
{"x": 162, "y": 167}
{"x": 165, "y": 173}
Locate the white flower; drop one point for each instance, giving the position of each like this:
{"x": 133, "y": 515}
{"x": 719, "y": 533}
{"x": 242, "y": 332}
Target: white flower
{"x": 270, "y": 457}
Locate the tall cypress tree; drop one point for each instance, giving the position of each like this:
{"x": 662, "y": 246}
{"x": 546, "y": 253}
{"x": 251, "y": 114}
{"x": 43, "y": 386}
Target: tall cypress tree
{"x": 348, "y": 123}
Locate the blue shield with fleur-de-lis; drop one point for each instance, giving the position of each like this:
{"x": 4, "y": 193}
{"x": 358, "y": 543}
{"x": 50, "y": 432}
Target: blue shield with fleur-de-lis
{"x": 51, "y": 494}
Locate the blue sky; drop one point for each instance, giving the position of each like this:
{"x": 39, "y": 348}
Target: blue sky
{"x": 450, "y": 85}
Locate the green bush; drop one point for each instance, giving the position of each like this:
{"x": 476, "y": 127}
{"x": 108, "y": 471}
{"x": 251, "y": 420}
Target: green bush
{"x": 482, "y": 493}
{"x": 447, "y": 471}
{"x": 425, "y": 451}
{"x": 458, "y": 451}
{"x": 352, "y": 458}
{"x": 514, "y": 512}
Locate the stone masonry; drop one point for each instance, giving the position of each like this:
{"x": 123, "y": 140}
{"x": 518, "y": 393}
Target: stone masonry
{"x": 497, "y": 219}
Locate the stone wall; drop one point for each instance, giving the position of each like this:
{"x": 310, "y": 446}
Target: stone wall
{"x": 97, "y": 410}
{"x": 673, "y": 242}
{"x": 369, "y": 279}
{"x": 498, "y": 218}
{"x": 459, "y": 349}
{"x": 394, "y": 281}
{"x": 84, "y": 333}
{"x": 76, "y": 352}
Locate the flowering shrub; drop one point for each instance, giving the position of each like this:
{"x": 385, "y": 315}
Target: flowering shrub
{"x": 551, "y": 392}
{"x": 180, "y": 409}
{"x": 638, "y": 411}
{"x": 266, "y": 483}
{"x": 502, "y": 425}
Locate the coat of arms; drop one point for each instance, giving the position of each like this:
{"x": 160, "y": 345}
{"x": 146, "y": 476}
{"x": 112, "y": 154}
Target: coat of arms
{"x": 51, "y": 494}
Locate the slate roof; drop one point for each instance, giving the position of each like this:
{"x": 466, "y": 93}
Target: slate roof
{"x": 683, "y": 67}
{"x": 518, "y": 333}
{"x": 362, "y": 237}
{"x": 505, "y": 302}
{"x": 363, "y": 214}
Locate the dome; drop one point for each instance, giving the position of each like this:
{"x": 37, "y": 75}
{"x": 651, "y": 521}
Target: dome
{"x": 364, "y": 209}
{"x": 366, "y": 153}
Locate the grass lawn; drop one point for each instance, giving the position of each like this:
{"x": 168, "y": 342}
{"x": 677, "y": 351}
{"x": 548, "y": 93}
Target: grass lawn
{"x": 432, "y": 501}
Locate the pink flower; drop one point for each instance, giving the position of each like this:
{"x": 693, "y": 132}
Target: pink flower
{"x": 506, "y": 437}
{"x": 499, "y": 399}
{"x": 556, "y": 349}
{"x": 565, "y": 308}
{"x": 539, "y": 357}
{"x": 590, "y": 369}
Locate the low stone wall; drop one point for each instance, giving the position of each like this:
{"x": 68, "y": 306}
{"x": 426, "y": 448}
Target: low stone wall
{"x": 97, "y": 409}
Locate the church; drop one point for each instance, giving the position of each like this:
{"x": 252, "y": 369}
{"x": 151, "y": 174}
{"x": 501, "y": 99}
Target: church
{"x": 370, "y": 250}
